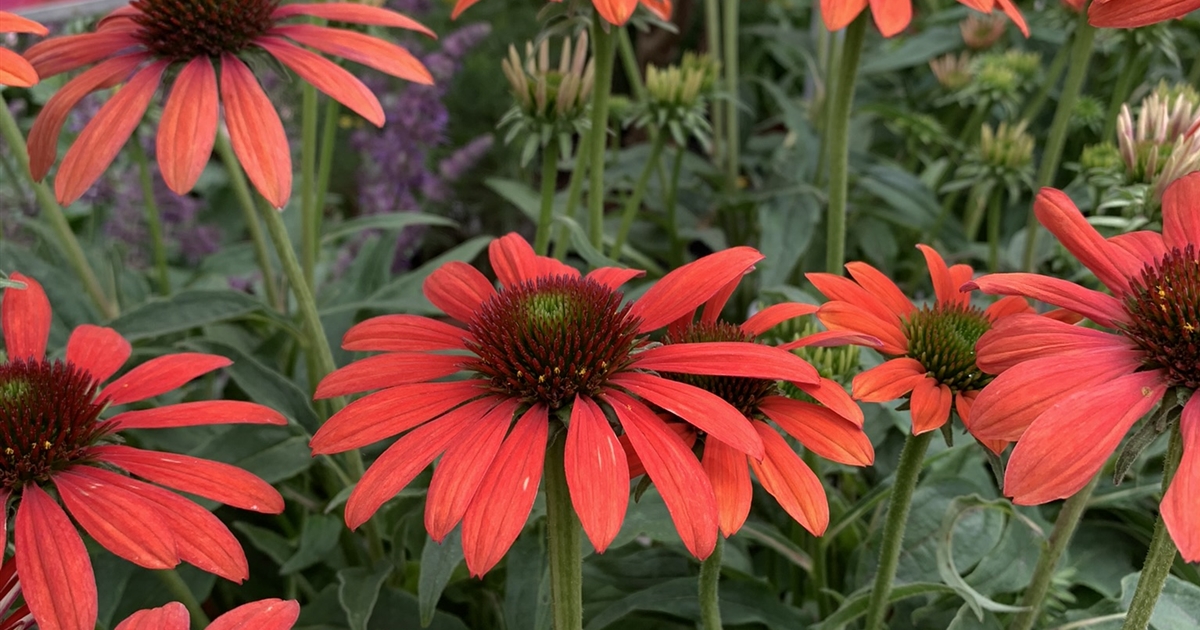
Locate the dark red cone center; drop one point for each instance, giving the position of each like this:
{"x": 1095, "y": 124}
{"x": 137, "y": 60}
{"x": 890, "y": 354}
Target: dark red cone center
{"x": 744, "y": 394}
{"x": 549, "y": 339}
{"x": 1164, "y": 309}
{"x": 943, "y": 339}
{"x": 49, "y": 416}
{"x": 186, "y": 29}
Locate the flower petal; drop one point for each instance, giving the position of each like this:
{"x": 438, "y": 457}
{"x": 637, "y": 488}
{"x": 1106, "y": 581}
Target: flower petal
{"x": 848, "y": 317}
{"x": 820, "y": 430}
{"x": 839, "y": 289}
{"x": 387, "y": 370}
{"x": 730, "y": 477}
{"x": 256, "y": 132}
{"x": 683, "y": 290}
{"x": 98, "y": 350}
{"x": 832, "y": 339}
{"x": 680, "y": 480}
{"x": 459, "y": 290}
{"x": 500, "y": 508}
{"x": 212, "y": 480}
{"x": 1101, "y": 308}
{"x": 881, "y": 287}
{"x": 390, "y": 412}
{"x": 1180, "y": 501}
{"x": 728, "y": 358}
{"x": 326, "y": 76}
{"x": 404, "y": 333}
{"x": 1006, "y": 307}
{"x": 614, "y": 277}
{"x": 1010, "y": 9}
{"x": 56, "y": 574}
{"x": 405, "y": 459}
{"x": 370, "y": 51}
{"x": 353, "y": 13}
{"x": 12, "y": 23}
{"x": 1044, "y": 466}
{"x": 945, "y": 288}
{"x": 888, "y": 381}
{"x": 458, "y": 475}
{"x": 25, "y": 320}
{"x": 891, "y": 16}
{"x": 776, "y": 314}
{"x": 106, "y": 133}
{"x": 199, "y": 413}
{"x": 119, "y": 520}
{"x": 15, "y": 71}
{"x": 160, "y": 375}
{"x": 189, "y": 126}
{"x": 173, "y": 616}
{"x": 597, "y": 473}
{"x": 513, "y": 260}
{"x": 616, "y": 12}
{"x": 831, "y": 394}
{"x": 715, "y": 304}
{"x": 1181, "y": 213}
{"x": 1134, "y": 14}
{"x": 706, "y": 411}
{"x": 838, "y": 14}
{"x": 931, "y": 402}
{"x": 63, "y": 54}
{"x": 1112, "y": 265}
{"x": 1145, "y": 245}
{"x": 265, "y": 614}
{"x": 791, "y": 482}
{"x": 1023, "y": 337}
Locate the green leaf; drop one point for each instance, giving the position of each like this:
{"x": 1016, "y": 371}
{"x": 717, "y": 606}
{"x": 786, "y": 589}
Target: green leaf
{"x": 438, "y": 562}
{"x": 263, "y": 384}
{"x": 398, "y": 609}
{"x": 912, "y": 51}
{"x": 269, "y": 542}
{"x": 780, "y": 221}
{"x": 742, "y": 602}
{"x": 518, "y": 194}
{"x": 317, "y": 539}
{"x": 1177, "y": 608}
{"x": 184, "y": 311}
{"x": 358, "y": 591}
{"x": 272, "y": 453}
{"x": 583, "y": 245}
{"x": 768, "y": 536}
{"x": 390, "y": 221}
{"x": 959, "y": 508}
{"x": 527, "y": 587}
{"x": 855, "y": 606}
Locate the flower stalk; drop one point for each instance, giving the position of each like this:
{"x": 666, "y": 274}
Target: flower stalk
{"x": 1162, "y": 550}
{"x": 838, "y": 134}
{"x": 564, "y": 542}
{"x": 604, "y": 54}
{"x": 729, "y": 39}
{"x": 309, "y": 223}
{"x": 241, "y": 190}
{"x": 153, "y": 216}
{"x": 541, "y": 242}
{"x": 710, "y": 580}
{"x": 635, "y": 198}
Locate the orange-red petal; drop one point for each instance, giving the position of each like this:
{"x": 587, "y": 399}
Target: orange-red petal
{"x": 101, "y": 351}
{"x": 265, "y": 614}
{"x": 387, "y": 370}
{"x": 198, "y": 413}
{"x": 212, "y": 480}
{"x": 1099, "y": 307}
{"x": 820, "y": 430}
{"x": 683, "y": 290}
{"x": 369, "y": 51}
{"x": 728, "y": 358}
{"x": 56, "y": 573}
{"x": 25, "y": 319}
{"x": 161, "y": 375}
{"x": 119, "y": 520}
{"x": 189, "y": 125}
{"x": 891, "y": 16}
{"x": 729, "y": 474}
{"x": 390, "y": 412}
{"x": 793, "y": 484}
{"x": 837, "y": 14}
{"x": 1132, "y": 14}
{"x": 931, "y": 402}
{"x": 173, "y": 616}
{"x": 458, "y": 289}
{"x": 326, "y": 76}
{"x": 848, "y": 317}
{"x": 597, "y": 473}
{"x": 352, "y": 12}
{"x": 1180, "y": 501}
{"x": 256, "y": 132}
{"x": 879, "y": 285}
{"x": 15, "y": 71}
{"x": 404, "y": 333}
{"x": 1181, "y": 213}
{"x": 888, "y": 381}
{"x": 776, "y": 314}
{"x": 1112, "y": 265}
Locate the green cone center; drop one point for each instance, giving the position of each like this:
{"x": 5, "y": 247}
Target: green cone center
{"x": 942, "y": 338}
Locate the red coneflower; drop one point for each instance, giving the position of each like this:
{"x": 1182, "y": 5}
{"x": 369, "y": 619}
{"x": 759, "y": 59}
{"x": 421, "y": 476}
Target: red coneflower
{"x": 1070, "y": 394}
{"x": 266, "y": 614}
{"x": 933, "y": 347}
{"x": 10, "y": 589}
{"x": 140, "y": 43}
{"x": 1135, "y": 13}
{"x": 893, "y": 16}
{"x": 832, "y": 428}
{"x": 52, "y": 434}
{"x": 14, "y": 69}
{"x": 549, "y": 344}
{"x": 615, "y": 12}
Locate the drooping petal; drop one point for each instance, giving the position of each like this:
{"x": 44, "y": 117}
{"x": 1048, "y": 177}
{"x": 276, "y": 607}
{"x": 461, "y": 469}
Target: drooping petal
{"x": 614, "y": 277}
{"x": 774, "y": 315}
{"x": 404, "y": 333}
{"x": 460, "y": 6}
{"x": 832, "y": 339}
{"x": 212, "y": 480}
{"x": 173, "y": 616}
{"x": 963, "y": 402}
{"x": 882, "y": 287}
{"x": 831, "y": 394}
{"x": 506, "y": 495}
{"x": 706, "y": 411}
{"x": 715, "y": 304}
{"x": 106, "y": 133}
{"x": 1180, "y": 501}
{"x": 1006, "y": 307}
{"x": 15, "y": 71}
{"x": 405, "y": 459}
{"x": 390, "y": 412}
{"x": 685, "y": 431}
{"x": 189, "y": 126}
{"x": 728, "y": 358}
{"x": 387, "y": 370}
{"x": 1044, "y": 466}
{"x": 56, "y": 574}
{"x": 98, "y": 350}
{"x": 25, "y": 320}
{"x": 1010, "y": 403}
{"x": 326, "y": 76}
{"x": 370, "y": 51}
{"x": 458, "y": 475}
{"x": 891, "y": 16}
{"x": 839, "y": 289}
{"x": 888, "y": 381}
{"x": 265, "y": 614}
{"x": 43, "y": 136}
{"x": 820, "y": 430}
{"x": 513, "y": 260}
{"x": 160, "y": 375}
{"x": 1129, "y": 14}
{"x": 1181, "y": 213}
{"x": 199, "y": 413}
{"x": 729, "y": 474}
{"x": 660, "y": 8}
{"x": 683, "y": 290}
{"x": 1147, "y": 246}
{"x": 944, "y": 287}
{"x": 1019, "y": 338}
{"x": 12, "y": 23}
{"x": 615, "y": 12}
{"x": 847, "y": 317}
{"x": 597, "y": 473}
{"x": 1112, "y": 265}
{"x": 931, "y": 402}
{"x": 1014, "y": 14}
{"x": 793, "y": 484}
{"x": 353, "y": 13}
{"x": 119, "y": 520}
{"x": 1099, "y": 307}
{"x": 838, "y": 14}
{"x": 256, "y": 132}
{"x": 680, "y": 479}
{"x": 63, "y": 54}
{"x": 459, "y": 290}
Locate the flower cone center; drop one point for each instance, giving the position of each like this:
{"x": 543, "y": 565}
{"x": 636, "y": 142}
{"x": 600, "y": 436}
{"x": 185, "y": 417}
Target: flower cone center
{"x": 744, "y": 394}
{"x": 1164, "y": 310}
{"x": 943, "y": 339}
{"x": 48, "y": 418}
{"x": 547, "y": 340}
{"x": 187, "y": 29}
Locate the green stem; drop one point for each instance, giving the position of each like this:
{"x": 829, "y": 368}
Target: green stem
{"x": 907, "y": 472}
{"x": 839, "y": 143}
{"x": 563, "y": 540}
{"x": 971, "y": 128}
{"x": 333, "y": 110}
{"x": 629, "y": 63}
{"x": 562, "y": 238}
{"x": 712, "y": 36}
{"x": 604, "y": 53}
{"x": 1081, "y": 54}
{"x": 729, "y": 38}
{"x": 549, "y": 184}
{"x": 1064, "y": 527}
{"x": 1162, "y": 550}
{"x": 710, "y": 587}
{"x": 308, "y": 191}
{"x": 11, "y": 133}
{"x": 1057, "y": 65}
{"x": 180, "y": 591}
{"x": 1134, "y": 69}
{"x": 672, "y": 203}
{"x": 634, "y": 203}
{"x": 153, "y": 216}
{"x": 245, "y": 198}
{"x": 995, "y": 209}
